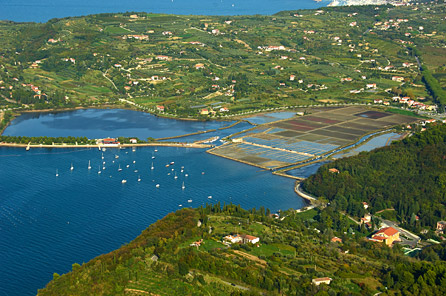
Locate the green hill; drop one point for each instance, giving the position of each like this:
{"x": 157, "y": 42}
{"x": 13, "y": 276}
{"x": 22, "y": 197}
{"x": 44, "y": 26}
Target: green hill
{"x": 290, "y": 253}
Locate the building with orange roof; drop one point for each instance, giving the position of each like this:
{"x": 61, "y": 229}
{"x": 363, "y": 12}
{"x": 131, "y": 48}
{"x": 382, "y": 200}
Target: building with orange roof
{"x": 387, "y": 235}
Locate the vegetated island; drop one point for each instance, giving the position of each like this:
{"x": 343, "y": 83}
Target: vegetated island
{"x": 221, "y": 66}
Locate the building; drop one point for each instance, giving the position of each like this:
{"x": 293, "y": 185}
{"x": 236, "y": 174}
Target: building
{"x": 336, "y": 239}
{"x": 199, "y": 66}
{"x": 250, "y": 239}
{"x": 441, "y": 226}
{"x": 110, "y": 142}
{"x": 387, "y": 235}
{"x": 324, "y": 280}
{"x": 233, "y": 238}
{"x": 160, "y": 108}
{"x": 333, "y": 171}
{"x": 133, "y": 141}
{"x": 204, "y": 112}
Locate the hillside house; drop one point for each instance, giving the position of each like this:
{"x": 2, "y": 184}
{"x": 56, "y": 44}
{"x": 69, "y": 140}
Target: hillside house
{"x": 336, "y": 239}
{"x": 160, "y": 108}
{"x": 333, "y": 171}
{"x": 388, "y": 235}
{"x": 324, "y": 280}
{"x": 441, "y": 226}
{"x": 250, "y": 239}
{"x": 204, "y": 112}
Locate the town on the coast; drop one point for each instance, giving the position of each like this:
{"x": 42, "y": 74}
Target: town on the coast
{"x": 346, "y": 101}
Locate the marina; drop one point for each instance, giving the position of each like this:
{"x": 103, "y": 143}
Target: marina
{"x": 134, "y": 186}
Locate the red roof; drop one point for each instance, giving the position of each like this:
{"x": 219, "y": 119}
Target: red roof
{"x": 250, "y": 237}
{"x": 389, "y": 231}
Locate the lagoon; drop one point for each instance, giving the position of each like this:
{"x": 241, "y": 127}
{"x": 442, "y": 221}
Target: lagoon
{"x": 48, "y": 222}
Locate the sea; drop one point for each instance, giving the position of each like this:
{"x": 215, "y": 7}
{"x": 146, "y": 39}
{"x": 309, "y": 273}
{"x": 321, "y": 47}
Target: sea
{"x": 49, "y": 222}
{"x": 44, "y": 10}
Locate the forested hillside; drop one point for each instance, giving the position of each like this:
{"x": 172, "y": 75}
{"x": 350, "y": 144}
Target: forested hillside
{"x": 409, "y": 176}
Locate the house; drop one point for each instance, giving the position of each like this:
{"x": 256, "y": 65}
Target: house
{"x": 133, "y": 141}
{"x": 224, "y": 109}
{"x": 398, "y": 78}
{"x": 204, "y": 112}
{"x": 441, "y": 226}
{"x": 292, "y": 77}
{"x": 366, "y": 219}
{"x": 324, "y": 280}
{"x": 371, "y": 85}
{"x": 215, "y": 31}
{"x": 163, "y": 58}
{"x": 336, "y": 239}
{"x": 233, "y": 238}
{"x": 387, "y": 235}
{"x": 199, "y": 66}
{"x": 110, "y": 142}
{"x": 333, "y": 171}
{"x": 197, "y": 243}
{"x": 160, "y": 108}
{"x": 250, "y": 239}
{"x": 366, "y": 205}
{"x": 377, "y": 101}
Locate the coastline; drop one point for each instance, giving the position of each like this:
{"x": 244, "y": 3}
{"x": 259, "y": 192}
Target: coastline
{"x": 28, "y": 146}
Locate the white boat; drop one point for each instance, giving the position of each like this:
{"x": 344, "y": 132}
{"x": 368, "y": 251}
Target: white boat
{"x": 102, "y": 155}
{"x": 135, "y": 171}
{"x": 186, "y": 175}
{"x": 124, "y": 181}
{"x": 157, "y": 185}
{"x": 175, "y": 177}
{"x": 57, "y": 173}
{"x": 210, "y": 196}
{"x": 116, "y": 156}
{"x": 119, "y": 169}
{"x": 202, "y": 173}
{"x": 172, "y": 162}
{"x": 182, "y": 171}
{"x": 152, "y": 167}
{"x": 156, "y": 150}
{"x": 133, "y": 149}
{"x": 139, "y": 178}
{"x": 104, "y": 149}
{"x": 89, "y": 165}
{"x": 182, "y": 186}
{"x": 103, "y": 167}
{"x": 189, "y": 200}
{"x": 180, "y": 205}
{"x": 72, "y": 167}
{"x": 99, "y": 171}
{"x": 127, "y": 166}
{"x": 134, "y": 161}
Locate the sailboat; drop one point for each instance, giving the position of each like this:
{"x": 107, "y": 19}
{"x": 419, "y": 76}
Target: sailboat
{"x": 139, "y": 178}
{"x": 182, "y": 186}
{"x": 176, "y": 177}
{"x": 99, "y": 171}
{"x": 72, "y": 167}
{"x": 119, "y": 169}
{"x": 152, "y": 166}
{"x": 89, "y": 165}
{"x": 57, "y": 173}
{"x": 102, "y": 155}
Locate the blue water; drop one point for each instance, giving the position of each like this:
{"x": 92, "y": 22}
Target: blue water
{"x": 43, "y": 10}
{"x": 376, "y": 142}
{"x": 102, "y": 123}
{"x": 47, "y": 223}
